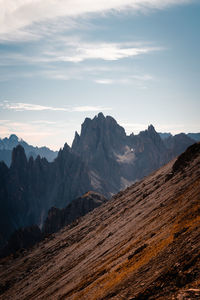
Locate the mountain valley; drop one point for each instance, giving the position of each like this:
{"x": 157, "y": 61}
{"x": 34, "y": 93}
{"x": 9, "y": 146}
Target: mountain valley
{"x": 142, "y": 244}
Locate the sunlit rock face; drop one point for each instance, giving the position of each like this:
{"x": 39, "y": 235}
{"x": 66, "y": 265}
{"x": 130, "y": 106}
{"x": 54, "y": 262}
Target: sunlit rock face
{"x": 116, "y": 160}
{"x": 103, "y": 159}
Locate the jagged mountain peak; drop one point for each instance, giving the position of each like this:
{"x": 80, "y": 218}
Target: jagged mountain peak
{"x": 76, "y": 134}
{"x": 142, "y": 244}
{"x": 18, "y": 157}
{"x": 151, "y": 128}
{"x": 100, "y": 116}
{"x": 14, "y": 138}
{"x": 99, "y": 127}
{"x": 151, "y": 133}
{"x": 7, "y": 145}
{"x": 66, "y": 149}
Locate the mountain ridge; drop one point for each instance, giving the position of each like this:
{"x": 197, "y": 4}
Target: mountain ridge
{"x": 102, "y": 158}
{"x": 8, "y": 144}
{"x": 142, "y": 244}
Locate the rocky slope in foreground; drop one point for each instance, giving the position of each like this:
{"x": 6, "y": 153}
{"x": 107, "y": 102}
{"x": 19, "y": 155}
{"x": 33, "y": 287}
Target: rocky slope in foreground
{"x": 142, "y": 244}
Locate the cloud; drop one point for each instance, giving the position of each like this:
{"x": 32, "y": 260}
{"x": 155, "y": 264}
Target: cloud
{"x": 19, "y": 106}
{"x": 43, "y": 122}
{"x": 41, "y": 132}
{"x": 51, "y": 53}
{"x": 78, "y": 52}
{"x": 19, "y": 17}
{"x": 126, "y": 79}
{"x": 103, "y": 51}
{"x": 104, "y": 81}
{"x": 30, "y": 107}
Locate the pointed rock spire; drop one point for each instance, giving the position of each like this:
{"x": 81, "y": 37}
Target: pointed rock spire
{"x": 19, "y": 159}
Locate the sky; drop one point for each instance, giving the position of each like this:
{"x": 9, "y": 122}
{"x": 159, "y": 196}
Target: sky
{"x": 64, "y": 60}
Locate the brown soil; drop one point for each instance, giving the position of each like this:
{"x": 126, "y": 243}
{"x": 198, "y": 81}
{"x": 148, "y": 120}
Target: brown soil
{"x": 142, "y": 244}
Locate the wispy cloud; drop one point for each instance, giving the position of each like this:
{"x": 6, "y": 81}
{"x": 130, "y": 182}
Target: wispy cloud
{"x": 17, "y": 15}
{"x": 76, "y": 52}
{"x": 128, "y": 79}
{"x": 103, "y": 51}
{"x": 19, "y": 106}
{"x": 41, "y": 132}
{"x": 104, "y": 81}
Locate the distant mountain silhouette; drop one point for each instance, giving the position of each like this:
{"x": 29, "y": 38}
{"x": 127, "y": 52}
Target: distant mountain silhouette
{"x": 194, "y": 136}
{"x": 102, "y": 158}
{"x": 7, "y": 145}
{"x": 164, "y": 135}
{"x": 142, "y": 244}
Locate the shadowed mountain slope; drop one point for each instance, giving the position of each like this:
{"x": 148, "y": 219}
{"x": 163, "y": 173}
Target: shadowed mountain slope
{"x": 27, "y": 237}
{"x": 29, "y": 188}
{"x": 116, "y": 160}
{"x": 142, "y": 244}
{"x": 58, "y": 218}
{"x": 103, "y": 159}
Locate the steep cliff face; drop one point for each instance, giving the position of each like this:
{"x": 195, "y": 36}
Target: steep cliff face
{"x": 142, "y": 244}
{"x": 178, "y": 143}
{"x": 24, "y": 189}
{"x": 29, "y": 188}
{"x": 101, "y": 141}
{"x": 116, "y": 160}
{"x": 150, "y": 152}
{"x": 103, "y": 158}
{"x": 69, "y": 178}
{"x": 58, "y": 218}
{"x": 26, "y": 237}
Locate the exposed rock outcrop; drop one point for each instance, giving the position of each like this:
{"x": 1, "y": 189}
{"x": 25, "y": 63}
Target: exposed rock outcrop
{"x": 178, "y": 143}
{"x": 116, "y": 160}
{"x": 142, "y": 244}
{"x": 58, "y": 218}
{"x": 27, "y": 237}
{"x": 103, "y": 159}
{"x": 29, "y": 188}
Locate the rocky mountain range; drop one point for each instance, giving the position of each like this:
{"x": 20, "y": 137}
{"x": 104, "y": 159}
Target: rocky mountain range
{"x": 29, "y": 188}
{"x": 7, "y": 145}
{"x": 27, "y": 237}
{"x": 120, "y": 159}
{"x": 194, "y": 136}
{"x": 102, "y": 159}
{"x": 142, "y": 244}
